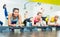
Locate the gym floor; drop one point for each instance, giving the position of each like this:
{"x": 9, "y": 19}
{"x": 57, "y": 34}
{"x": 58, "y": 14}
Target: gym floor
{"x": 31, "y": 34}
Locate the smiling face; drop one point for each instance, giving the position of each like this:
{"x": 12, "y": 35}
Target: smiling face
{"x": 39, "y": 15}
{"x": 56, "y": 18}
{"x": 16, "y": 12}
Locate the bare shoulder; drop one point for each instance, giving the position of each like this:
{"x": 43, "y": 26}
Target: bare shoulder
{"x": 10, "y": 14}
{"x": 19, "y": 15}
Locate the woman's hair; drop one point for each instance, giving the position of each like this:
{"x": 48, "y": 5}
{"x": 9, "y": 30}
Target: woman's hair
{"x": 15, "y": 9}
{"x": 39, "y": 13}
{"x": 56, "y": 16}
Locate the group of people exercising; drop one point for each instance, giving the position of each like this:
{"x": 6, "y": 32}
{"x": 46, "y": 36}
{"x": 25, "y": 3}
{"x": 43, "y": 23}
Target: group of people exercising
{"x": 15, "y": 17}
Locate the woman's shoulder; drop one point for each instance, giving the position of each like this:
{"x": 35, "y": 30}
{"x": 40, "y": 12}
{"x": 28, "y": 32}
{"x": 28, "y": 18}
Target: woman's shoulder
{"x": 10, "y": 14}
{"x": 19, "y": 15}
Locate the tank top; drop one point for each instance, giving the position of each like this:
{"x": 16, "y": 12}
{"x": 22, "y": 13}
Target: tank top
{"x": 35, "y": 20}
{"x": 14, "y": 20}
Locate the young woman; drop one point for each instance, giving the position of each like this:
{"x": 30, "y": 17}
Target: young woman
{"x": 38, "y": 18}
{"x": 54, "y": 21}
{"x": 38, "y": 21}
{"x": 34, "y": 20}
{"x": 14, "y": 17}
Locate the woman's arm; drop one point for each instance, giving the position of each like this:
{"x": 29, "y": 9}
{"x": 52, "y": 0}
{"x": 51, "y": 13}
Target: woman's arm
{"x": 44, "y": 23}
{"x": 33, "y": 22}
{"x": 20, "y": 20}
{"x": 51, "y": 23}
{"x": 9, "y": 20}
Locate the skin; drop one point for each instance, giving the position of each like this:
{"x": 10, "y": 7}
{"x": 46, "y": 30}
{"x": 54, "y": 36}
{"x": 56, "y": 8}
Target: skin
{"x": 16, "y": 13}
{"x": 53, "y": 24}
{"x": 38, "y": 17}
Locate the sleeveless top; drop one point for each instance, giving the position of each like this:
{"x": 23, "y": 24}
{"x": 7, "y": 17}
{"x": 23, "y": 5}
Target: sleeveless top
{"x": 14, "y": 20}
{"x": 35, "y": 20}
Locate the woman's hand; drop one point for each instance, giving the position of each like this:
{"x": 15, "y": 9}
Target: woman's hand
{"x": 34, "y": 25}
{"x": 13, "y": 25}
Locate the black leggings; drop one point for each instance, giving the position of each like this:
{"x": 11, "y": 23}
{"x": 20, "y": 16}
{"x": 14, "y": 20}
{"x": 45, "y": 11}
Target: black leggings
{"x": 1, "y": 23}
{"x": 26, "y": 20}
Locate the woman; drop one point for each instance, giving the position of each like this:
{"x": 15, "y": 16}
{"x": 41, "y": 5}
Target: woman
{"x": 38, "y": 21}
{"x": 14, "y": 17}
{"x": 38, "y": 18}
{"x": 34, "y": 20}
{"x": 54, "y": 21}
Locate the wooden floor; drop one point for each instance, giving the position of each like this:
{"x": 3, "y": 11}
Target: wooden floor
{"x": 32, "y": 34}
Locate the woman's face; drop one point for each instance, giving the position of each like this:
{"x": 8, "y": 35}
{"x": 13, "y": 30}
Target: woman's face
{"x": 39, "y": 16}
{"x": 16, "y": 13}
{"x": 56, "y": 18}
